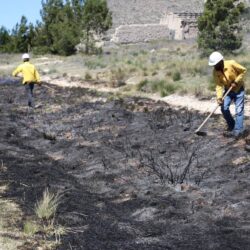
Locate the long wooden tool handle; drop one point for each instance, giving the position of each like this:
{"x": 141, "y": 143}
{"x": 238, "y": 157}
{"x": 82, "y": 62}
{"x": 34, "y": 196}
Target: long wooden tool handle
{"x": 198, "y": 129}
{"x": 47, "y": 87}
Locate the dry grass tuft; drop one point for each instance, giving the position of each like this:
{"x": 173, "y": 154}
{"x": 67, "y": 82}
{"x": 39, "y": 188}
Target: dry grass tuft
{"x": 30, "y": 228}
{"x": 46, "y": 208}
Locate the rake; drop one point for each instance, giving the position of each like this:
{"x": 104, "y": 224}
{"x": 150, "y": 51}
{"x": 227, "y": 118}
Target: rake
{"x": 201, "y": 133}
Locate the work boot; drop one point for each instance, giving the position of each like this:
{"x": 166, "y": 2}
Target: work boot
{"x": 229, "y": 134}
{"x": 247, "y": 146}
{"x": 247, "y": 140}
{"x": 243, "y": 134}
{"x": 30, "y": 105}
{"x": 232, "y": 134}
{"x": 228, "y": 129}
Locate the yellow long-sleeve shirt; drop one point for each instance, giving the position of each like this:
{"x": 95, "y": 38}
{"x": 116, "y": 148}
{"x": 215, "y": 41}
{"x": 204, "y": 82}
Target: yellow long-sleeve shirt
{"x": 233, "y": 72}
{"x": 29, "y": 72}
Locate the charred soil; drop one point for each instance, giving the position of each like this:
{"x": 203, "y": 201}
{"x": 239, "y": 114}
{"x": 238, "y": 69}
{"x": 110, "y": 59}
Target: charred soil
{"x": 132, "y": 172}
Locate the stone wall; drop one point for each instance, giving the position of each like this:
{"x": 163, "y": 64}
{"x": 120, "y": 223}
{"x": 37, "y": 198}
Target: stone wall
{"x": 135, "y": 33}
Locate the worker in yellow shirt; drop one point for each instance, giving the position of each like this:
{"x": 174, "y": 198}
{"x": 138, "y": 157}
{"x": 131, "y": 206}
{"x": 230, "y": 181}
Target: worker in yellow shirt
{"x": 30, "y": 77}
{"x": 229, "y": 74}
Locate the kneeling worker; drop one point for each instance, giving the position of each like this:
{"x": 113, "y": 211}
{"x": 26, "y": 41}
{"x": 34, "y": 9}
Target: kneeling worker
{"x": 229, "y": 74}
{"x": 30, "y": 77}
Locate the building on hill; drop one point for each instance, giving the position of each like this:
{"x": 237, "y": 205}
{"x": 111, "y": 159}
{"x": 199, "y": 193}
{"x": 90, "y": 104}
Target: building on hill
{"x": 183, "y": 24}
{"x": 145, "y": 20}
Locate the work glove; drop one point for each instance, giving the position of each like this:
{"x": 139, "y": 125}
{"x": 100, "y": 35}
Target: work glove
{"x": 219, "y": 101}
{"x": 234, "y": 85}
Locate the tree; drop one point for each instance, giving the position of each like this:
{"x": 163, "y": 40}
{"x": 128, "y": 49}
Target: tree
{"x": 219, "y": 27}
{"x": 77, "y": 8}
{"x": 31, "y": 37}
{"x": 5, "y": 40}
{"x": 64, "y": 23}
{"x": 50, "y": 15}
{"x": 61, "y": 27}
{"x": 96, "y": 20}
{"x": 20, "y": 36}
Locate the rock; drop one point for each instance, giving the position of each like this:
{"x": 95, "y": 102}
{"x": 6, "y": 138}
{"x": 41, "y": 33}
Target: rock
{"x": 241, "y": 160}
{"x": 99, "y": 44}
{"x": 80, "y": 48}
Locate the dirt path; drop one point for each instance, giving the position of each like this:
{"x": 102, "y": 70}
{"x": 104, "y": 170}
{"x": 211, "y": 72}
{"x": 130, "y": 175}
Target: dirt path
{"x": 188, "y": 101}
{"x": 204, "y": 106}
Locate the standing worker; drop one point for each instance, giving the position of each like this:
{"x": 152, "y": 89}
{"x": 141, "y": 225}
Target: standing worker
{"x": 30, "y": 77}
{"x": 229, "y": 74}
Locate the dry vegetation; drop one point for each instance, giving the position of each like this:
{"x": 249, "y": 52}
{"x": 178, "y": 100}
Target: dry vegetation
{"x": 159, "y": 67}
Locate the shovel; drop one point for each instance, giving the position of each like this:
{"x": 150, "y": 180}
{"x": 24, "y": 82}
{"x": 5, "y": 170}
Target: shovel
{"x": 200, "y": 133}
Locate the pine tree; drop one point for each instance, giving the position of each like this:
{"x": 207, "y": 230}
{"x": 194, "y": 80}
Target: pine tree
{"x": 61, "y": 28}
{"x": 219, "y": 27}
{"x": 31, "y": 37}
{"x": 64, "y": 24}
{"x": 20, "y": 36}
{"x": 5, "y": 40}
{"x": 51, "y": 15}
{"x": 96, "y": 20}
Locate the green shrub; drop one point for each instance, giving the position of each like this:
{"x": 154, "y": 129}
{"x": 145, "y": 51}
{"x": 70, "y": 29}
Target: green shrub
{"x": 118, "y": 77}
{"x": 88, "y": 76}
{"x": 95, "y": 64}
{"x": 143, "y": 52}
{"x": 162, "y": 87}
{"x": 168, "y": 89}
{"x": 157, "y": 85}
{"x": 141, "y": 85}
{"x": 212, "y": 84}
{"x": 176, "y": 76}
{"x": 132, "y": 70}
{"x": 30, "y": 228}
{"x": 40, "y": 50}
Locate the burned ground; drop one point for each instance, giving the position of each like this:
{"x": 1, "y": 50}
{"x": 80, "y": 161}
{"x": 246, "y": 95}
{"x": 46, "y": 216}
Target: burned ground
{"x": 132, "y": 173}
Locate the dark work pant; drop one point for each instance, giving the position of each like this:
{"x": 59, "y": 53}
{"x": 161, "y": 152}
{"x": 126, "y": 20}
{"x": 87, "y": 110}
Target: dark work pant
{"x": 29, "y": 91}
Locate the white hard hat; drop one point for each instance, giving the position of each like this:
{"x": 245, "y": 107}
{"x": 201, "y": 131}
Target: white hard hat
{"x": 215, "y": 58}
{"x": 25, "y": 56}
